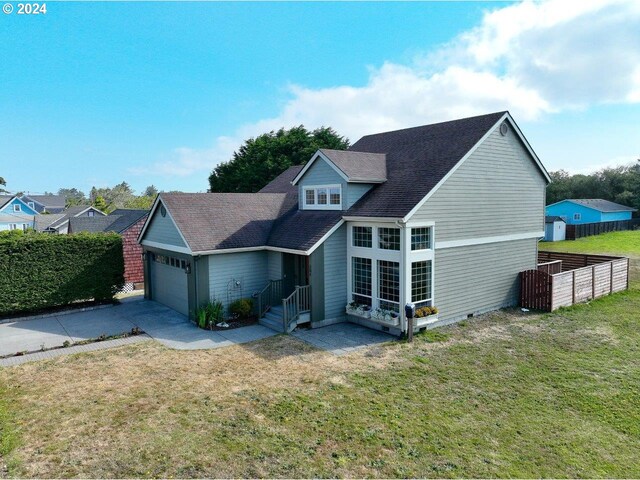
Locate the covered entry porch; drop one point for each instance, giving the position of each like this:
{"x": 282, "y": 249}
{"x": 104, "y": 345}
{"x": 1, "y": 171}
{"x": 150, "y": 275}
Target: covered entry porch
{"x": 285, "y": 303}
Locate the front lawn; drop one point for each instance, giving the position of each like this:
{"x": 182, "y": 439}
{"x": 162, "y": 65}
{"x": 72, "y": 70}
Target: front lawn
{"x": 614, "y": 243}
{"x": 507, "y": 394}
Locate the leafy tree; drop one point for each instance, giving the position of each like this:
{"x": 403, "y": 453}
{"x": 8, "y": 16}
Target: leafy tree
{"x": 100, "y": 203}
{"x": 143, "y": 202}
{"x": 259, "y": 160}
{"x": 618, "y": 184}
{"x": 3, "y": 183}
{"x": 73, "y": 197}
{"x": 150, "y": 191}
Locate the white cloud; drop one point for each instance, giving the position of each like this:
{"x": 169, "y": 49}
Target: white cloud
{"x": 609, "y": 163}
{"x": 530, "y": 58}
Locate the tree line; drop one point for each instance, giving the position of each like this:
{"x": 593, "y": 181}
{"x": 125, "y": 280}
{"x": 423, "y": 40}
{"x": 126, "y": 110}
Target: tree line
{"x": 617, "y": 184}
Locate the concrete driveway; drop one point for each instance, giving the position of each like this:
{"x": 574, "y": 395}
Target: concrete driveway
{"x": 159, "y": 322}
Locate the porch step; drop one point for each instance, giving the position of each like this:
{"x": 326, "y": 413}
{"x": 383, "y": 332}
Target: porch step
{"x": 274, "y": 322}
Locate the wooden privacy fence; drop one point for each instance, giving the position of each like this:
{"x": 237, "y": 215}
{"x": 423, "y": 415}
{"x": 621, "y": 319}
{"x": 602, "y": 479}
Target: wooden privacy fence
{"x": 563, "y": 279}
{"x": 587, "y": 229}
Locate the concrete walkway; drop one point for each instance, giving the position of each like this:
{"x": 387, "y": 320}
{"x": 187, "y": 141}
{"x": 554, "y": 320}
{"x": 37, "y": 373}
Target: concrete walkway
{"x": 159, "y": 322}
{"x": 343, "y": 338}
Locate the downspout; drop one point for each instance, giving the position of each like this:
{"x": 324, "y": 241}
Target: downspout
{"x": 195, "y": 281}
{"x": 404, "y": 256}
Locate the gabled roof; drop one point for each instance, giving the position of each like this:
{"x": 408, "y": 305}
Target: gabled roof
{"x": 43, "y": 222}
{"x": 553, "y": 218}
{"x": 352, "y": 166}
{"x": 214, "y": 221}
{"x": 302, "y": 229}
{"x": 4, "y": 199}
{"x": 282, "y": 183}
{"x": 598, "y": 204}
{"x": 51, "y": 201}
{"x": 419, "y": 159}
{"x": 118, "y": 221}
{"x": 7, "y": 199}
{"x": 70, "y": 213}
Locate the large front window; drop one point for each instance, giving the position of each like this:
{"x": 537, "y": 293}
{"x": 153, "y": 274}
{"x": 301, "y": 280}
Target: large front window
{"x": 389, "y": 285}
{"x": 361, "y": 282}
{"x": 389, "y": 238}
{"x": 362, "y": 237}
{"x": 421, "y": 282}
{"x": 421, "y": 238}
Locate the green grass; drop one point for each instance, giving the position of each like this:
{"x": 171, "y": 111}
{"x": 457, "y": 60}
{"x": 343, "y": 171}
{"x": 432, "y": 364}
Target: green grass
{"x": 621, "y": 243}
{"x": 502, "y": 395}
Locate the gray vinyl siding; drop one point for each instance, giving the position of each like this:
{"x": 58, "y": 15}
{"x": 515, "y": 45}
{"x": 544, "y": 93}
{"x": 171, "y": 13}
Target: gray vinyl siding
{"x": 480, "y": 278}
{"x": 356, "y": 191}
{"x": 321, "y": 173}
{"x": 335, "y": 274}
{"x": 250, "y": 268}
{"x": 317, "y": 276}
{"x": 163, "y": 230}
{"x": 274, "y": 265}
{"x": 498, "y": 190}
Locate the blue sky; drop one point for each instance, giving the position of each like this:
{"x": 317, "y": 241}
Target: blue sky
{"x": 158, "y": 93}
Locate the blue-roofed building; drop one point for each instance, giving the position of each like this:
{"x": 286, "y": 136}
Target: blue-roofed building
{"x": 581, "y": 211}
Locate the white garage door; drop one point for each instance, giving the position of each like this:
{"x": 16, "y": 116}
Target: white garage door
{"x": 169, "y": 284}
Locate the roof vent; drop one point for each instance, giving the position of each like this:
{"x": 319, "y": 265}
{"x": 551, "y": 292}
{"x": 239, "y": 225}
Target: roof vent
{"x": 504, "y": 128}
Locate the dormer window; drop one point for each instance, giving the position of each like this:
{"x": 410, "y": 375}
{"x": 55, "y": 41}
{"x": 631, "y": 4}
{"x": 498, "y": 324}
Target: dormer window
{"x": 323, "y": 197}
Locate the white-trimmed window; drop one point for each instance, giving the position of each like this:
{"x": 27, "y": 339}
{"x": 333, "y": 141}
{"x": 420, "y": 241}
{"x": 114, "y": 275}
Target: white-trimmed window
{"x": 24, "y": 227}
{"x": 577, "y": 216}
{"x": 17, "y": 207}
{"x": 389, "y": 238}
{"x": 323, "y": 197}
{"x": 389, "y": 285}
{"x": 91, "y": 213}
{"x": 361, "y": 280}
{"x": 13, "y": 226}
{"x": 421, "y": 238}
{"x": 362, "y": 237}
{"x": 421, "y": 274}
{"x": 31, "y": 204}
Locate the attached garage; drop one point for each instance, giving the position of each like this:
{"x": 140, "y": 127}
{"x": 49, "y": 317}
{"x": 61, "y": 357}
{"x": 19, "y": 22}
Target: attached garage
{"x": 169, "y": 282}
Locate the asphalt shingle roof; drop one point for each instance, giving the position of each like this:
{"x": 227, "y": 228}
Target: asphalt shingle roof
{"x": 552, "y": 218}
{"x": 417, "y": 159}
{"x": 118, "y": 221}
{"x": 211, "y": 221}
{"x": 359, "y": 166}
{"x": 282, "y": 183}
{"x": 56, "y": 201}
{"x": 301, "y": 230}
{"x": 602, "y": 205}
{"x": 42, "y": 222}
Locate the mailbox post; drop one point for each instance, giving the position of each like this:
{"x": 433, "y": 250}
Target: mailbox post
{"x": 409, "y": 313}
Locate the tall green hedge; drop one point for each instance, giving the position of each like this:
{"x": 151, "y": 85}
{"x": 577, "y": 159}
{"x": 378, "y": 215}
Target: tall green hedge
{"x": 40, "y": 270}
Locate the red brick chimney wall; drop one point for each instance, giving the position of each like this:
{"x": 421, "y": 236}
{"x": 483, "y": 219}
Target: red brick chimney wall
{"x": 133, "y": 267}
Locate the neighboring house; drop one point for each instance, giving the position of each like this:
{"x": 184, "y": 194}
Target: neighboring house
{"x": 59, "y": 222}
{"x": 415, "y": 215}
{"x": 15, "y": 214}
{"x": 580, "y": 211}
{"x": 555, "y": 229}
{"x": 45, "y": 203}
{"x": 127, "y": 223}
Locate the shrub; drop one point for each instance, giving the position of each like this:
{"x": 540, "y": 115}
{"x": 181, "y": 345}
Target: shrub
{"x": 215, "y": 312}
{"x": 40, "y": 270}
{"x": 242, "y": 307}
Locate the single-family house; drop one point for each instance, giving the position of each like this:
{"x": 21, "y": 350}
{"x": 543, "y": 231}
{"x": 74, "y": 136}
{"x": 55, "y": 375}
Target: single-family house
{"x": 555, "y": 228}
{"x": 408, "y": 216}
{"x": 15, "y": 214}
{"x": 59, "y": 222}
{"x": 589, "y": 210}
{"x": 46, "y": 203}
{"x": 127, "y": 223}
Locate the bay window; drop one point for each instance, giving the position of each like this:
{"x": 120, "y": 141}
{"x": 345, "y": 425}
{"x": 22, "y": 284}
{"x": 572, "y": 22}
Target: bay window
{"x": 361, "y": 281}
{"x": 421, "y": 238}
{"x": 362, "y": 237}
{"x": 421, "y": 282}
{"x": 389, "y": 285}
{"x": 389, "y": 238}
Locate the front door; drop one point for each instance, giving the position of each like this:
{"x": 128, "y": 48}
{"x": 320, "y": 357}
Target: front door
{"x": 295, "y": 272}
